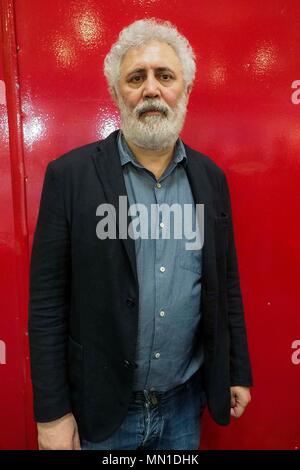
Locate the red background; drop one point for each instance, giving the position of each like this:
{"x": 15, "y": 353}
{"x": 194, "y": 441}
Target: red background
{"x": 53, "y": 97}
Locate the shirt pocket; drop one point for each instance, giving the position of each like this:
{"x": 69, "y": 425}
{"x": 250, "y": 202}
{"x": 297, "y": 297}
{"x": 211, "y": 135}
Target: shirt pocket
{"x": 191, "y": 260}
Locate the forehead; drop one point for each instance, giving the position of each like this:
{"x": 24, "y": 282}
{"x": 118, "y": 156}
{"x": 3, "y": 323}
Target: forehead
{"x": 154, "y": 54}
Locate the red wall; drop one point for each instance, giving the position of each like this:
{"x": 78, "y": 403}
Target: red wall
{"x": 244, "y": 112}
{"x": 12, "y": 416}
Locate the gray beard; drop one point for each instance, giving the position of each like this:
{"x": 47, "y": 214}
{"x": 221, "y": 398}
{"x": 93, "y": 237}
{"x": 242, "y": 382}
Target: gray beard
{"x": 153, "y": 132}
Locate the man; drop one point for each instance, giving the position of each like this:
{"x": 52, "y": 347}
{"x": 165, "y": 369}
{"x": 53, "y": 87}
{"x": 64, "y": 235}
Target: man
{"x": 130, "y": 336}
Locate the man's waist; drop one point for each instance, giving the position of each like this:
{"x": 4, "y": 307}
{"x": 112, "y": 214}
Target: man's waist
{"x": 154, "y": 396}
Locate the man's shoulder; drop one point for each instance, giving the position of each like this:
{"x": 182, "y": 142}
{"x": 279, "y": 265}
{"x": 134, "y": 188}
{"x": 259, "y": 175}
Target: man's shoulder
{"x": 204, "y": 160}
{"x": 75, "y": 157}
{"x": 79, "y": 158}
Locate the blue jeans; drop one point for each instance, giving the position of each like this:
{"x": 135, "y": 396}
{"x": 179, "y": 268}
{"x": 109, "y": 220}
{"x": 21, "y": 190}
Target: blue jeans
{"x": 159, "y": 421}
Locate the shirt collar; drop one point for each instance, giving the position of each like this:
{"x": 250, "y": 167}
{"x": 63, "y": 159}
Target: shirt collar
{"x": 127, "y": 156}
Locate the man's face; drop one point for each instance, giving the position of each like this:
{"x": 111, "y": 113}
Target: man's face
{"x": 152, "y": 95}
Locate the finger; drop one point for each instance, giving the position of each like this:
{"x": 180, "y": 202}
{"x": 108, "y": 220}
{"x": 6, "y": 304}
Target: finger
{"x": 239, "y": 399}
{"x": 76, "y": 441}
{"x": 237, "y": 411}
{"x": 245, "y": 401}
{"x": 240, "y": 411}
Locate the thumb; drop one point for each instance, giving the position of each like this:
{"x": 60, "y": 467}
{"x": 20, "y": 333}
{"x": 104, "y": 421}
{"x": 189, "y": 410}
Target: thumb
{"x": 233, "y": 400}
{"x": 76, "y": 441}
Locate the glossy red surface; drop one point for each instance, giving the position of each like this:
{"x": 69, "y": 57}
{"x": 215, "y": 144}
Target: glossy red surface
{"x": 243, "y": 112}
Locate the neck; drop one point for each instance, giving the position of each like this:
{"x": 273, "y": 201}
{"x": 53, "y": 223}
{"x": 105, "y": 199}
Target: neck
{"x": 155, "y": 161}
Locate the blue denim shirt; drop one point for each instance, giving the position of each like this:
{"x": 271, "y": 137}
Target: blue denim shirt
{"x": 169, "y": 350}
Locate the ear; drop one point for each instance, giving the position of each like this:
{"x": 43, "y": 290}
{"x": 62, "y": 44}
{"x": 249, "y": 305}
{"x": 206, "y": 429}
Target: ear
{"x": 114, "y": 94}
{"x": 188, "y": 90}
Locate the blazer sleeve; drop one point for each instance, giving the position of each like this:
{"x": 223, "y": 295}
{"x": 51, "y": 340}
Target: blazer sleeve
{"x": 49, "y": 294}
{"x": 240, "y": 367}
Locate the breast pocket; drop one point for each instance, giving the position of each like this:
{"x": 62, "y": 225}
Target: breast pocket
{"x": 191, "y": 260}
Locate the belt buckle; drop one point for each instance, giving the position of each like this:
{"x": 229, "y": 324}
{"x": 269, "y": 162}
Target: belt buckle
{"x": 151, "y": 397}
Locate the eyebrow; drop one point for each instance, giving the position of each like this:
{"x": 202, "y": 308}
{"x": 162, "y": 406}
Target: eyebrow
{"x": 158, "y": 69}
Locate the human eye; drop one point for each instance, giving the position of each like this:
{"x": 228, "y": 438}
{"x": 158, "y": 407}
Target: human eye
{"x": 165, "y": 76}
{"x": 136, "y": 79}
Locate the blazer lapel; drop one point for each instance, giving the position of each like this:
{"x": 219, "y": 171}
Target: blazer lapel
{"x": 109, "y": 170}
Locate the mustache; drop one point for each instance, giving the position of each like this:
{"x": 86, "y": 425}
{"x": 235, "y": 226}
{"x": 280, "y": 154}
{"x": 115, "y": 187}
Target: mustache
{"x": 153, "y": 105}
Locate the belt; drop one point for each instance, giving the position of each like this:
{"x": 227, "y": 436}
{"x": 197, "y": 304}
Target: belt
{"x": 149, "y": 396}
{"x": 154, "y": 397}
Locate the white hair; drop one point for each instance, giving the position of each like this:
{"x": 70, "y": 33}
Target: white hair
{"x": 156, "y": 132}
{"x": 141, "y": 32}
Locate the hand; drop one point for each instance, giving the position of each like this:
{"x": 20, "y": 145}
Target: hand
{"x": 240, "y": 397}
{"x": 60, "y": 434}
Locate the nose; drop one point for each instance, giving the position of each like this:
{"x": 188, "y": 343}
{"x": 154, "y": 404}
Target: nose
{"x": 151, "y": 88}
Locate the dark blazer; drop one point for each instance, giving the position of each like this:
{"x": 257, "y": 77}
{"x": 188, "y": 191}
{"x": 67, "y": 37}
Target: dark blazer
{"x": 84, "y": 295}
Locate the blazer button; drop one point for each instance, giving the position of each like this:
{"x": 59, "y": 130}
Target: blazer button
{"x": 129, "y": 364}
{"x": 130, "y": 302}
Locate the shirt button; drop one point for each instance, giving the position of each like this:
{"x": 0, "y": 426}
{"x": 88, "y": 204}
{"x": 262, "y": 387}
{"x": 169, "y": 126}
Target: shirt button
{"x": 158, "y": 185}
{"x": 162, "y": 269}
{"x": 162, "y": 225}
{"x": 162, "y": 313}
{"x": 157, "y": 355}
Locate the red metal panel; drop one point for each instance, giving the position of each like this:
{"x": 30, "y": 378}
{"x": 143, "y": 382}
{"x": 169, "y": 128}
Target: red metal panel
{"x": 13, "y": 255}
{"x": 244, "y": 112}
